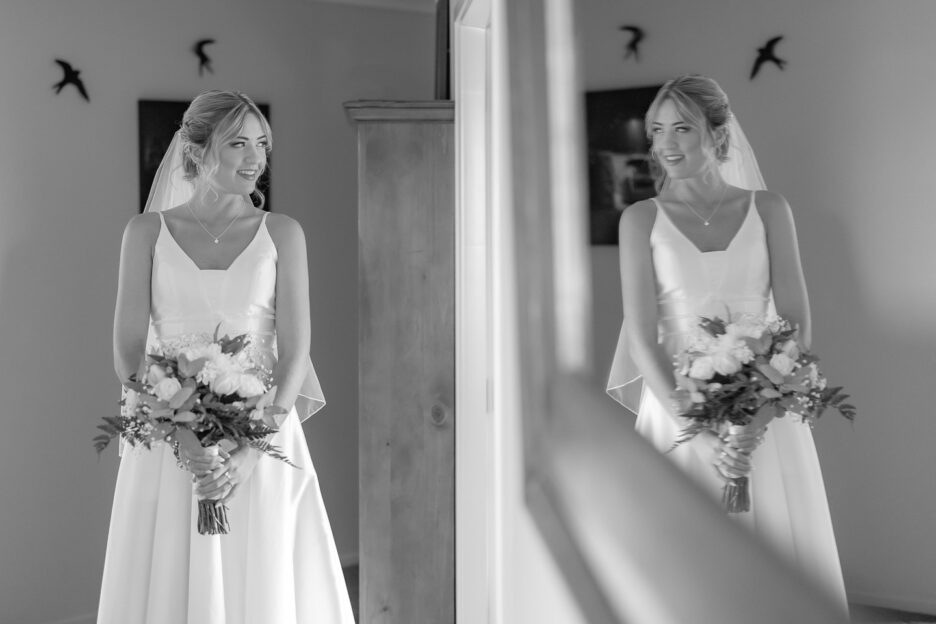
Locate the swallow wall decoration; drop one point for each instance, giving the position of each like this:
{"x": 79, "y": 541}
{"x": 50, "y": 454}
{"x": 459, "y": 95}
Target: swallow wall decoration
{"x": 637, "y": 35}
{"x": 766, "y": 54}
{"x": 70, "y": 78}
{"x": 204, "y": 61}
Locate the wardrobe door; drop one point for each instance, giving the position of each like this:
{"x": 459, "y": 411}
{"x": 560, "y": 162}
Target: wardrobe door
{"x": 407, "y": 360}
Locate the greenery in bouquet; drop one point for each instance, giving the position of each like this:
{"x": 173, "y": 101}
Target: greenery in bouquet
{"x": 731, "y": 371}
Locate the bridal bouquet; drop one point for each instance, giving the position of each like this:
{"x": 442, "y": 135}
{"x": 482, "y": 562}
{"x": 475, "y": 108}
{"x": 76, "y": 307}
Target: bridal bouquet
{"x": 213, "y": 389}
{"x": 731, "y": 371}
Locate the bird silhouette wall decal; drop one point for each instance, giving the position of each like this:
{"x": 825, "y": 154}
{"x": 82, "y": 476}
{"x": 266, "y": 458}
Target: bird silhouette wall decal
{"x": 204, "y": 61}
{"x": 70, "y": 78}
{"x": 766, "y": 54}
{"x": 637, "y": 35}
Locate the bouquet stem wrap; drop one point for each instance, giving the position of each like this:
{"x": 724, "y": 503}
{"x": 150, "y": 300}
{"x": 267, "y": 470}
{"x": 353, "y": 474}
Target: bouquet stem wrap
{"x": 212, "y": 518}
{"x": 736, "y": 495}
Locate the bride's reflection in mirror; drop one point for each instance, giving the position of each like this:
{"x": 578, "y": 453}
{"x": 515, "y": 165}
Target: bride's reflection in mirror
{"x": 714, "y": 243}
{"x": 832, "y": 133}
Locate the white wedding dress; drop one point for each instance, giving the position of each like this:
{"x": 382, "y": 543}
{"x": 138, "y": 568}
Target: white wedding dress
{"x": 278, "y": 564}
{"x": 788, "y": 500}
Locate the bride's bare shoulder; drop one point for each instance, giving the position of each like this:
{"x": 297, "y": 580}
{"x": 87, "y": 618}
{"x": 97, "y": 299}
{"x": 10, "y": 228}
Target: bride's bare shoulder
{"x": 144, "y": 227}
{"x": 284, "y": 230}
{"x": 773, "y": 208}
{"x": 638, "y": 218}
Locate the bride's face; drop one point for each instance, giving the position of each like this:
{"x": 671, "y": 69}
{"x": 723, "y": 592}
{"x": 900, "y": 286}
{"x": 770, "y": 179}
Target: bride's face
{"x": 679, "y": 146}
{"x": 241, "y": 159}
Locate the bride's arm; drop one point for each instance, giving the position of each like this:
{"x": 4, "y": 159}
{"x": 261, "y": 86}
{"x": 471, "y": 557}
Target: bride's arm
{"x": 293, "y": 332}
{"x": 786, "y": 270}
{"x": 638, "y": 289}
{"x": 789, "y": 291}
{"x": 132, "y": 312}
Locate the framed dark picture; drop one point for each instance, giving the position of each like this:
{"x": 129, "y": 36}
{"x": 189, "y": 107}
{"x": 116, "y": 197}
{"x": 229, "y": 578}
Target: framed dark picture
{"x": 158, "y": 121}
{"x": 619, "y": 172}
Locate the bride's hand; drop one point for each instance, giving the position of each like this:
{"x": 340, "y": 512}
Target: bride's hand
{"x": 748, "y": 437}
{"x": 195, "y": 458}
{"x": 729, "y": 462}
{"x": 223, "y": 482}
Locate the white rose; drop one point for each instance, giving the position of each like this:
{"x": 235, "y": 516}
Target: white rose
{"x": 167, "y": 388}
{"x": 225, "y": 383}
{"x": 250, "y": 386}
{"x": 725, "y": 363}
{"x": 702, "y": 341}
{"x": 702, "y": 368}
{"x": 783, "y": 363}
{"x": 155, "y": 374}
{"x": 743, "y": 353}
{"x": 791, "y": 349}
{"x": 216, "y": 366}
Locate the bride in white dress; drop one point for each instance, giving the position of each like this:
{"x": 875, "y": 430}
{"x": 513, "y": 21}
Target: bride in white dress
{"x": 705, "y": 247}
{"x": 201, "y": 256}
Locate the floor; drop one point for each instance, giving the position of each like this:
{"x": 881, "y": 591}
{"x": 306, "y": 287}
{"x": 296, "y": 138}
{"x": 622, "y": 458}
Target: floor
{"x": 354, "y": 589}
{"x": 878, "y": 615}
{"x": 859, "y": 613}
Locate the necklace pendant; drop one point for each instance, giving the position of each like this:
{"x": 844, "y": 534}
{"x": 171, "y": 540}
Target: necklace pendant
{"x": 705, "y": 222}
{"x": 217, "y": 241}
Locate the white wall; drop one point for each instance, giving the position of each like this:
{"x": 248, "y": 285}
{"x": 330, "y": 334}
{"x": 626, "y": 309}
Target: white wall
{"x": 68, "y": 174}
{"x": 843, "y": 132}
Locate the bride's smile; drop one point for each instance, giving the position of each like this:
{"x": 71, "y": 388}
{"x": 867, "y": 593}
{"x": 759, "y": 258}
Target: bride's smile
{"x": 241, "y": 159}
{"x": 678, "y": 145}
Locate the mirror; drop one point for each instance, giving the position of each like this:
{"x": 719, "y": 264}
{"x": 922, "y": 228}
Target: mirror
{"x": 837, "y": 131}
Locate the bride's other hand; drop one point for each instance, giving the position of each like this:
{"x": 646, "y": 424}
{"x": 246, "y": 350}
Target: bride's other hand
{"x": 223, "y": 482}
{"x": 198, "y": 460}
{"x": 729, "y": 462}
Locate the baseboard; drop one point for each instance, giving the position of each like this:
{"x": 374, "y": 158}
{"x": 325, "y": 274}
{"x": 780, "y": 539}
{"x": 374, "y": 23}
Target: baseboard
{"x": 349, "y": 559}
{"x": 903, "y": 603}
{"x": 87, "y": 618}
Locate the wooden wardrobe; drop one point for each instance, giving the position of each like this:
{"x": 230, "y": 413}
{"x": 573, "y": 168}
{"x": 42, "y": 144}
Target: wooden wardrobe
{"x": 406, "y": 272}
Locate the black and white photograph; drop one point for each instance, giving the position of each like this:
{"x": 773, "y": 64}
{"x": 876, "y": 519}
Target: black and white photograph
{"x": 467, "y": 312}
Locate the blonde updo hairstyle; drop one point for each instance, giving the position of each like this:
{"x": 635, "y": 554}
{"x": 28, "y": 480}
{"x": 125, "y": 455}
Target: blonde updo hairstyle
{"x": 211, "y": 120}
{"x": 702, "y": 103}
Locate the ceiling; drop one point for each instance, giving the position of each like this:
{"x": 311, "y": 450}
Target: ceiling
{"x": 418, "y": 6}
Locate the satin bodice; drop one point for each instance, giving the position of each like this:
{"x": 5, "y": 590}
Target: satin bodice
{"x": 692, "y": 283}
{"x": 188, "y": 304}
{"x": 188, "y": 299}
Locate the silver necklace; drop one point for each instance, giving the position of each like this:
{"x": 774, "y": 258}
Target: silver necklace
{"x": 217, "y": 239}
{"x": 711, "y": 216}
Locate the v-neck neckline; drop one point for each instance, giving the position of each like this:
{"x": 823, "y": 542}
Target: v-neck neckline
{"x": 233, "y": 262}
{"x": 747, "y": 216}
